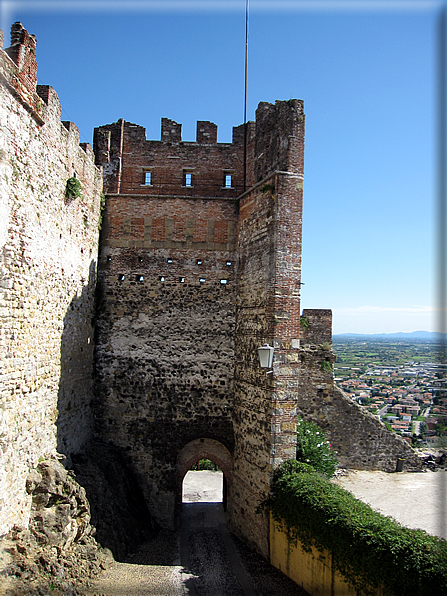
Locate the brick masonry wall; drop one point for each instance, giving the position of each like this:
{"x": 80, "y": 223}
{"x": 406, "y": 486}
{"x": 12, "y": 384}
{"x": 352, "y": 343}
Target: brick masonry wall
{"x": 268, "y": 310}
{"x": 279, "y": 139}
{"x": 126, "y": 156}
{"x": 48, "y": 251}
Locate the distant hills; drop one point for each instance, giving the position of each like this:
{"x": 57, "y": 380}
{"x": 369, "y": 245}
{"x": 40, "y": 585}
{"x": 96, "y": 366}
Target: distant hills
{"x": 424, "y": 335}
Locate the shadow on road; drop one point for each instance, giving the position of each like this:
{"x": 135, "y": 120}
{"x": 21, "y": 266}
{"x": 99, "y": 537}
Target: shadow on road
{"x": 201, "y": 559}
{"x": 219, "y": 564}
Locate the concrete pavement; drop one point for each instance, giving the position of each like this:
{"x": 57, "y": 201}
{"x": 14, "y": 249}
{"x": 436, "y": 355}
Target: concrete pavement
{"x": 414, "y": 499}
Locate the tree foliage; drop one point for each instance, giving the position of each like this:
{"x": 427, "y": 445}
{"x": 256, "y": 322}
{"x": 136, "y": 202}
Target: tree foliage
{"x": 314, "y": 448}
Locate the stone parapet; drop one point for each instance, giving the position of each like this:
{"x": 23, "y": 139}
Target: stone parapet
{"x": 316, "y": 327}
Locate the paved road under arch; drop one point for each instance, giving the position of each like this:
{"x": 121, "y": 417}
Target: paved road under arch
{"x": 202, "y": 559}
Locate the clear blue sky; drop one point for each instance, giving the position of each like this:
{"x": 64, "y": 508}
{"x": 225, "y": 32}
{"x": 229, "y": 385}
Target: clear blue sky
{"x": 367, "y": 75}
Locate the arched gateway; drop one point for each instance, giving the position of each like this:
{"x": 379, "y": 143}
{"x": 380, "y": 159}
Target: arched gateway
{"x": 205, "y": 449}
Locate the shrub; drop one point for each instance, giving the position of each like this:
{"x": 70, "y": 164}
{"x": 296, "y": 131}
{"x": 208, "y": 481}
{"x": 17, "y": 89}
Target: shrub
{"x": 102, "y": 204}
{"x": 313, "y": 448}
{"x": 326, "y": 366}
{"x": 206, "y": 464}
{"x": 368, "y": 548}
{"x": 304, "y": 321}
{"x": 73, "y": 188}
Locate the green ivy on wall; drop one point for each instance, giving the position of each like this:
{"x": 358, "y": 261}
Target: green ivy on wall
{"x": 369, "y": 549}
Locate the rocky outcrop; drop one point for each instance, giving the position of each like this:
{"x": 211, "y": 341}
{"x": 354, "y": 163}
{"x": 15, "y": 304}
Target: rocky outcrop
{"x": 58, "y": 552}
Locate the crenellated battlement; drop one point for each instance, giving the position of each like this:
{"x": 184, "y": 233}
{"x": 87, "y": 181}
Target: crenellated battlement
{"x": 18, "y": 74}
{"x": 202, "y": 168}
{"x": 18, "y": 70}
{"x": 134, "y": 165}
{"x": 23, "y": 53}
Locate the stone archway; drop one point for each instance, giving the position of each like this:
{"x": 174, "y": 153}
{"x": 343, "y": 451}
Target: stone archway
{"x": 211, "y": 449}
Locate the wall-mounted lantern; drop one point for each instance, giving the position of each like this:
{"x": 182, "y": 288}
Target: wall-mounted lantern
{"x": 265, "y": 353}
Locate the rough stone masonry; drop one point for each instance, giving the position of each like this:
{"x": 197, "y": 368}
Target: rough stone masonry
{"x": 195, "y": 272}
{"x": 48, "y": 252}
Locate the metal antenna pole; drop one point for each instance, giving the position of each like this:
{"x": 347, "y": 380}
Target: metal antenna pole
{"x": 245, "y": 98}
{"x": 441, "y": 325}
{"x": 442, "y": 180}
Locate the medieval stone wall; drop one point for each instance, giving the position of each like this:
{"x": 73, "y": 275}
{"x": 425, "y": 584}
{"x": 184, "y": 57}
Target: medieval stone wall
{"x": 191, "y": 283}
{"x": 360, "y": 439}
{"x": 48, "y": 251}
{"x": 166, "y": 309}
{"x": 195, "y": 273}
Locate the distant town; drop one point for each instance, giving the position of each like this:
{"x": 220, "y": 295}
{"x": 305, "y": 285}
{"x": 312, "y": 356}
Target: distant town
{"x": 403, "y": 382}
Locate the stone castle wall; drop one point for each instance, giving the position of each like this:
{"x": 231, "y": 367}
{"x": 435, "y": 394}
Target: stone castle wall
{"x": 360, "y": 439}
{"x": 48, "y": 251}
{"x": 167, "y": 287}
{"x": 187, "y": 292}
{"x": 254, "y": 326}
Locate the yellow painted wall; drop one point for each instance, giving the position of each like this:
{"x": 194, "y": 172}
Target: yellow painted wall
{"x": 312, "y": 571}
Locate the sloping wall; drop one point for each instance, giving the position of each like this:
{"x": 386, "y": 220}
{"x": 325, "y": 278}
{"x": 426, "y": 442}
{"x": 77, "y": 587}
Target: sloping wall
{"x": 360, "y": 439}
